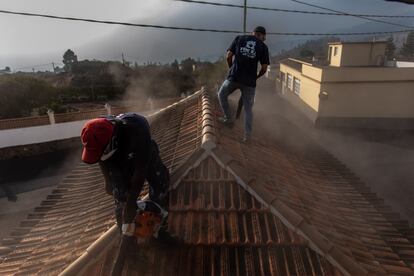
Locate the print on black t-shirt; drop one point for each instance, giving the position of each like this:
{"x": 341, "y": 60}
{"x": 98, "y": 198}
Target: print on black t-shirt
{"x": 248, "y": 51}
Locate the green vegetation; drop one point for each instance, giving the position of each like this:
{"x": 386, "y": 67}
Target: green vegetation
{"x": 69, "y": 58}
{"x": 19, "y": 94}
{"x": 94, "y": 81}
{"x": 312, "y": 48}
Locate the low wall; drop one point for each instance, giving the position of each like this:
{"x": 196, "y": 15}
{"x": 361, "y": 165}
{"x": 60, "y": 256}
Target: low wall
{"x": 79, "y": 116}
{"x": 82, "y": 115}
{"x": 24, "y": 122}
{"x": 40, "y": 134}
{"x": 39, "y": 148}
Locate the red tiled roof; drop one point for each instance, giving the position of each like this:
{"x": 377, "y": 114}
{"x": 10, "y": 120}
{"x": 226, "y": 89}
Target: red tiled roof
{"x": 177, "y": 131}
{"x": 73, "y": 216}
{"x": 323, "y": 194}
{"x": 78, "y": 212}
{"x": 308, "y": 195}
{"x": 242, "y": 209}
{"x": 226, "y": 232}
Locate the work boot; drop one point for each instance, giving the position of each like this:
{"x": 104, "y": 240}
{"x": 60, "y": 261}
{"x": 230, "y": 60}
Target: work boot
{"x": 169, "y": 239}
{"x": 166, "y": 238}
{"x": 226, "y": 122}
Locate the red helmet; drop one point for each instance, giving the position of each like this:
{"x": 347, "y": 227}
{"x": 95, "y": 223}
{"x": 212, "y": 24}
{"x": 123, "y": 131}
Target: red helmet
{"x": 95, "y": 136}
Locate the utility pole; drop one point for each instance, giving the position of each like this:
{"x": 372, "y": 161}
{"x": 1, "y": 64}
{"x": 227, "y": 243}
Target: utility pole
{"x": 92, "y": 88}
{"x": 123, "y": 59}
{"x": 245, "y": 17}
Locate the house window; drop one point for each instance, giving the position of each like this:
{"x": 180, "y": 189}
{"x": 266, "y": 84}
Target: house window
{"x": 329, "y": 54}
{"x": 289, "y": 81}
{"x": 335, "y": 50}
{"x": 296, "y": 86}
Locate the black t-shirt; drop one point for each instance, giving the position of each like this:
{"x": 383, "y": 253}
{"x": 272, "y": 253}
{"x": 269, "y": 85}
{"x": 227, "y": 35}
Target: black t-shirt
{"x": 248, "y": 51}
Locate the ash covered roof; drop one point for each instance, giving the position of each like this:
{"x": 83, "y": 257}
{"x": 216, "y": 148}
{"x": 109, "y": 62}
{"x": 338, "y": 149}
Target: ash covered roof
{"x": 241, "y": 209}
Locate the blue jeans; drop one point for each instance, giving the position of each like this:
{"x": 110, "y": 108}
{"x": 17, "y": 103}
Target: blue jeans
{"x": 247, "y": 94}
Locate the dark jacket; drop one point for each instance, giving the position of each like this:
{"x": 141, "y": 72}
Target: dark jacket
{"x": 125, "y": 171}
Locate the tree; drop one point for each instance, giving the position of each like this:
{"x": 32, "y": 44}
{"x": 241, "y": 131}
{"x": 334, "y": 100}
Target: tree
{"x": 187, "y": 65}
{"x": 69, "y": 58}
{"x": 7, "y": 69}
{"x": 306, "y": 53}
{"x": 390, "y": 49}
{"x": 175, "y": 65}
{"x": 20, "y": 94}
{"x": 407, "y": 49}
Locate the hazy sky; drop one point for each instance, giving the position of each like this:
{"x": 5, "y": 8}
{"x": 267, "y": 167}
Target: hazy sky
{"x": 28, "y": 41}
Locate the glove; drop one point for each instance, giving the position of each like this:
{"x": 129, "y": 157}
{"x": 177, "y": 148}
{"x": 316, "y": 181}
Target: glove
{"x": 128, "y": 229}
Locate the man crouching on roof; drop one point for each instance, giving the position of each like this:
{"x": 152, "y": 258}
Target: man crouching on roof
{"x": 127, "y": 157}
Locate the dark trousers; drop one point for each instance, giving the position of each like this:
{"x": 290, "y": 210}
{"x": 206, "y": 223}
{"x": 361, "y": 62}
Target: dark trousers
{"x": 158, "y": 179}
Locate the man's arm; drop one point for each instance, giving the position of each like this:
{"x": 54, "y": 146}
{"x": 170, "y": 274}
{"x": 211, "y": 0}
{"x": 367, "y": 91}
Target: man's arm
{"x": 264, "y": 61}
{"x": 139, "y": 145}
{"x": 105, "y": 172}
{"x": 262, "y": 71}
{"x": 135, "y": 187}
{"x": 230, "y": 52}
{"x": 128, "y": 223}
{"x": 229, "y": 58}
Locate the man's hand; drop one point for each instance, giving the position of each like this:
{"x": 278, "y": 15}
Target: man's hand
{"x": 128, "y": 229}
{"x": 229, "y": 58}
{"x": 263, "y": 70}
{"x": 135, "y": 187}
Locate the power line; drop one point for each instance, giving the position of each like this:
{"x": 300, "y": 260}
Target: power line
{"x": 117, "y": 22}
{"x": 294, "y": 11}
{"x": 354, "y": 15}
{"x": 332, "y": 11}
{"x": 195, "y": 29}
{"x": 339, "y": 34}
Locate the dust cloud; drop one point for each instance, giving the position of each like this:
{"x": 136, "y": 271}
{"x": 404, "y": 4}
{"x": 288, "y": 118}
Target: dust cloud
{"x": 383, "y": 160}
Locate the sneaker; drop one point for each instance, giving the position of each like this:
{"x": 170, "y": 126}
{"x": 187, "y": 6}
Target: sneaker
{"x": 225, "y": 121}
{"x": 246, "y": 140}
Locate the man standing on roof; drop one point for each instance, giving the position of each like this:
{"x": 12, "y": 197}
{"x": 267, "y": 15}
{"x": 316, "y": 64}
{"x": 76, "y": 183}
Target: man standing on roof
{"x": 247, "y": 51}
{"x": 127, "y": 157}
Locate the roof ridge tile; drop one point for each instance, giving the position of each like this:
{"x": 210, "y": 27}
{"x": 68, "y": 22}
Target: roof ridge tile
{"x": 153, "y": 116}
{"x": 192, "y": 161}
{"x": 208, "y": 133}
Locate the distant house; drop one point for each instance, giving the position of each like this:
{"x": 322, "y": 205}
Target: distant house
{"x": 357, "y": 87}
{"x": 5, "y": 71}
{"x": 58, "y": 70}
